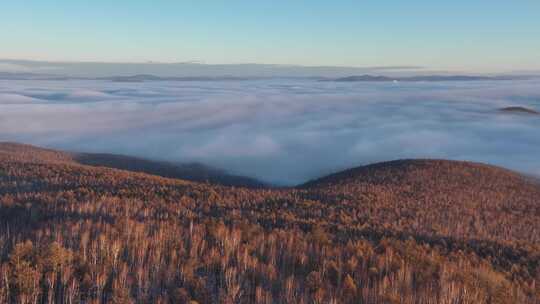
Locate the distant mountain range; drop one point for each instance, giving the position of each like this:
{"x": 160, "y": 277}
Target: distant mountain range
{"x": 361, "y": 78}
{"x": 221, "y": 77}
{"x": 427, "y": 78}
{"x": 192, "y": 69}
{"x": 30, "y": 76}
{"x": 129, "y": 78}
{"x": 148, "y": 77}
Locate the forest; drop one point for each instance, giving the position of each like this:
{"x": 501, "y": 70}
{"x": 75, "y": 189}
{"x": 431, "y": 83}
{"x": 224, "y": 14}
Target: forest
{"x": 407, "y": 231}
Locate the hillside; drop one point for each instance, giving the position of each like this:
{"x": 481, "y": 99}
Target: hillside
{"x": 409, "y": 231}
{"x": 448, "y": 198}
{"x": 188, "y": 171}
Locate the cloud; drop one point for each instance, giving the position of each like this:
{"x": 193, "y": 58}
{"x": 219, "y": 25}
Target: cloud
{"x": 279, "y": 130}
{"x": 9, "y": 98}
{"x": 223, "y": 146}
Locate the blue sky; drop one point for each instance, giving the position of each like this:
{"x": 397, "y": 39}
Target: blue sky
{"x": 462, "y": 35}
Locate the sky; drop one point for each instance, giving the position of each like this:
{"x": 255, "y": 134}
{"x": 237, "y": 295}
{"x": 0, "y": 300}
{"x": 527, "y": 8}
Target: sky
{"x": 465, "y": 35}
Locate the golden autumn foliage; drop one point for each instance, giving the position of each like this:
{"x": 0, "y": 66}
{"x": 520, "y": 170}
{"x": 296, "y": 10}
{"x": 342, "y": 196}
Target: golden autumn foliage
{"x": 398, "y": 232}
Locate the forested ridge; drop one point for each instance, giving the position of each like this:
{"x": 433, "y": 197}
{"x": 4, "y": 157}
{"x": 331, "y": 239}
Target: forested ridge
{"x": 409, "y": 231}
{"x": 189, "y": 171}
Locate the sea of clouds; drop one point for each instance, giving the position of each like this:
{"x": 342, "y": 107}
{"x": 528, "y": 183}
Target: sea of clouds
{"x": 278, "y": 130}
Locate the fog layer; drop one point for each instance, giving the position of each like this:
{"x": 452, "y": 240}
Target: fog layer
{"x": 281, "y": 131}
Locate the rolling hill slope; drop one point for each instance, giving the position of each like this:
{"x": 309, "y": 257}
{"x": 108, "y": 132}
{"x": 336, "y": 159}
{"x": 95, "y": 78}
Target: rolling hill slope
{"x": 188, "y": 171}
{"x": 409, "y": 231}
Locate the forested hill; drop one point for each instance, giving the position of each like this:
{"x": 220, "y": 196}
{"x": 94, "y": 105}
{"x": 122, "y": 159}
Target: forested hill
{"x": 410, "y": 231}
{"x": 187, "y": 171}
